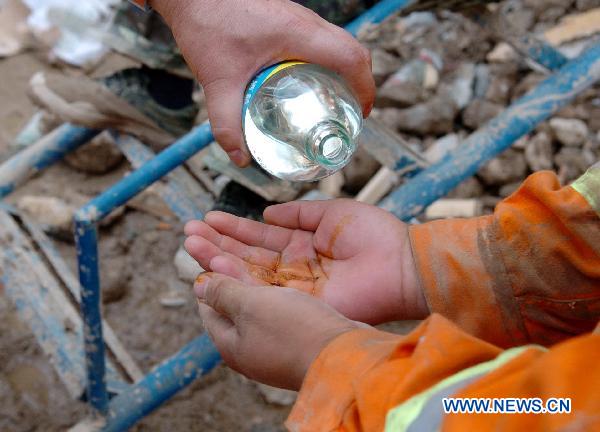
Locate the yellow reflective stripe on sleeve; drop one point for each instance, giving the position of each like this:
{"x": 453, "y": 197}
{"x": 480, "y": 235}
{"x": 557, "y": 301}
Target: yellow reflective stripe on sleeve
{"x": 406, "y": 415}
{"x": 588, "y": 185}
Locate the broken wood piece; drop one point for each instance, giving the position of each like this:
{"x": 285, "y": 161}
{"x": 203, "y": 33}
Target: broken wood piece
{"x": 575, "y": 26}
{"x": 378, "y": 186}
{"x": 332, "y": 185}
{"x": 454, "y": 208}
{"x": 251, "y": 177}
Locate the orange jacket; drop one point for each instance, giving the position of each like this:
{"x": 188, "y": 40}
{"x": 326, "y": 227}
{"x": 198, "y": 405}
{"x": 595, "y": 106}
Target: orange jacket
{"x": 529, "y": 273}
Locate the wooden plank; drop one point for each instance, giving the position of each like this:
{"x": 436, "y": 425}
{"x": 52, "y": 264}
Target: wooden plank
{"x": 70, "y": 281}
{"x": 252, "y": 177}
{"x": 575, "y": 26}
{"x": 43, "y": 305}
{"x": 389, "y": 149}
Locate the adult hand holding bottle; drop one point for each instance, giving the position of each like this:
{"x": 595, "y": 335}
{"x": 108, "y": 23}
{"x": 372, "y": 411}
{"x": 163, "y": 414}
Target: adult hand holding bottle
{"x": 226, "y": 42}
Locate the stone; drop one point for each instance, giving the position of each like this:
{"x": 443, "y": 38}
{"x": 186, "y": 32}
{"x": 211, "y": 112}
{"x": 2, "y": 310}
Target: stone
{"x": 399, "y": 95}
{"x": 99, "y": 156}
{"x": 482, "y": 80}
{"x": 384, "y": 64}
{"x": 508, "y": 189}
{"x": 499, "y": 90}
{"x": 461, "y": 88}
{"x": 583, "y": 5}
{"x": 573, "y": 162}
{"x": 187, "y": 267}
{"x": 277, "y": 396}
{"x": 114, "y": 281}
{"x": 539, "y": 152}
{"x": 54, "y": 214}
{"x": 479, "y": 112}
{"x": 569, "y": 132}
{"x": 502, "y": 53}
{"x": 509, "y": 167}
{"x": 469, "y": 188}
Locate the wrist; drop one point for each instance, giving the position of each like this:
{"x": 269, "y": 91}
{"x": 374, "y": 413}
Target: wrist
{"x": 416, "y": 303}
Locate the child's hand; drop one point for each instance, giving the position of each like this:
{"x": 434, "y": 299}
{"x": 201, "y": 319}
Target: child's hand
{"x": 269, "y": 335}
{"x": 356, "y": 257}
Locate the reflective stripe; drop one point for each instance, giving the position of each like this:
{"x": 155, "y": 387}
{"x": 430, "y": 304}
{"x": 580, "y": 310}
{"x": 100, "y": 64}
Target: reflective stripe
{"x": 588, "y": 185}
{"x": 424, "y": 412}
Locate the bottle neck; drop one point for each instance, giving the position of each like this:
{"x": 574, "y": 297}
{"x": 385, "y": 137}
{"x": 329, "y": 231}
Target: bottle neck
{"x": 329, "y": 145}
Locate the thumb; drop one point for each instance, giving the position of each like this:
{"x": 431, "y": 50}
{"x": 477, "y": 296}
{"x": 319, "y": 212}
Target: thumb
{"x": 222, "y": 293}
{"x": 224, "y": 100}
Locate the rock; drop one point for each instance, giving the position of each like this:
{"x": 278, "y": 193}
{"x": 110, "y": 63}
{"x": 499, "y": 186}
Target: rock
{"x": 508, "y": 189}
{"x": 187, "y": 267}
{"x": 399, "y": 95}
{"x": 573, "y": 162}
{"x": 99, "y": 156}
{"x": 499, "y": 90}
{"x": 177, "y": 295}
{"x": 442, "y": 147}
{"x": 509, "y": 167}
{"x": 115, "y": 277}
{"x": 569, "y": 132}
{"x": 384, "y": 64}
{"x": 502, "y": 53}
{"x": 53, "y": 213}
{"x": 277, "y": 396}
{"x": 461, "y": 88}
{"x": 479, "y": 112}
{"x": 539, "y": 152}
{"x": 583, "y": 5}
{"x": 359, "y": 171}
{"x": 470, "y": 188}
{"x": 434, "y": 117}
{"x": 482, "y": 80}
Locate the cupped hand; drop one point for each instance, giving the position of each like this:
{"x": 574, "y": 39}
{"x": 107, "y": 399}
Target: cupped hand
{"x": 269, "y": 335}
{"x": 355, "y": 257}
{"x": 226, "y": 42}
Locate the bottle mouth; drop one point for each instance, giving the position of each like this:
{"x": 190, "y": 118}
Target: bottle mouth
{"x": 329, "y": 145}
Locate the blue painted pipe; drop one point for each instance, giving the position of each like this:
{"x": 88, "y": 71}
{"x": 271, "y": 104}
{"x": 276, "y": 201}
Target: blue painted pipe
{"x": 194, "y": 360}
{"x": 86, "y": 240}
{"x": 42, "y": 154}
{"x": 500, "y": 133}
{"x": 150, "y": 172}
{"x": 541, "y": 52}
{"x": 377, "y": 14}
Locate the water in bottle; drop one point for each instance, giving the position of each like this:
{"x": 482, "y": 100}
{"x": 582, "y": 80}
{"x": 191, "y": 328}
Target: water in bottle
{"x": 301, "y": 121}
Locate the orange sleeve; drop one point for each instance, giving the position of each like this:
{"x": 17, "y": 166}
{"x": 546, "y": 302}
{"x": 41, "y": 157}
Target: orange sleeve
{"x": 528, "y": 273}
{"x": 362, "y": 375}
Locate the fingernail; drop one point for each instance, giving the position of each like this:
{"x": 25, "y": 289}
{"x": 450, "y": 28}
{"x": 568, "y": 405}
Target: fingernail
{"x": 238, "y": 157}
{"x": 200, "y": 286}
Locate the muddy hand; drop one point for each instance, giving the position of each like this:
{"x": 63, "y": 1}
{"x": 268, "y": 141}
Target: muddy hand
{"x": 355, "y": 257}
{"x": 269, "y": 335}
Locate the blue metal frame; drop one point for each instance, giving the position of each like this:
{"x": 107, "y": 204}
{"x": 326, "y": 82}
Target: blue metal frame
{"x": 86, "y": 220}
{"x": 500, "y": 133}
{"x": 42, "y": 154}
{"x": 377, "y": 14}
{"x": 194, "y": 360}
